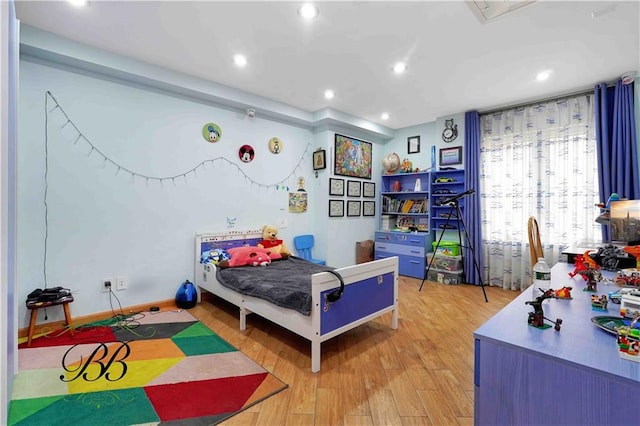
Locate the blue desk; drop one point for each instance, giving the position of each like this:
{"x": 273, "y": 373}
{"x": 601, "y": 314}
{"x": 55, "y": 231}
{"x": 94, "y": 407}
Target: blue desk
{"x": 524, "y": 375}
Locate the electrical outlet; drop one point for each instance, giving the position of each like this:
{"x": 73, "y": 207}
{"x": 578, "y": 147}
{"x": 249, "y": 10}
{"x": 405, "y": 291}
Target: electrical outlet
{"x": 282, "y": 222}
{"x": 106, "y": 285}
{"x": 121, "y": 283}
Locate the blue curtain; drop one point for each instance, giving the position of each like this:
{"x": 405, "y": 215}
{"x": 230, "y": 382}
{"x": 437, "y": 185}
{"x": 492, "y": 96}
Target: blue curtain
{"x": 616, "y": 143}
{"x": 472, "y": 210}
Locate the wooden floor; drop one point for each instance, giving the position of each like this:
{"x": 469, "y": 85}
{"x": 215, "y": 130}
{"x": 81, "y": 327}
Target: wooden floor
{"x": 419, "y": 374}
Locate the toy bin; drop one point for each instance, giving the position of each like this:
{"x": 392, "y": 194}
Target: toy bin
{"x": 447, "y": 248}
{"x": 443, "y": 262}
{"x": 444, "y": 277}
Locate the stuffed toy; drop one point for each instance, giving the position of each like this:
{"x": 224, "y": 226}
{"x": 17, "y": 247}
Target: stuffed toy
{"x": 214, "y": 256}
{"x": 271, "y": 242}
{"x": 248, "y": 255}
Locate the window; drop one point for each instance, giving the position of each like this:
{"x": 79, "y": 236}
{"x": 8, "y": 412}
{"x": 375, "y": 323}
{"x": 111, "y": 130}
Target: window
{"x": 537, "y": 160}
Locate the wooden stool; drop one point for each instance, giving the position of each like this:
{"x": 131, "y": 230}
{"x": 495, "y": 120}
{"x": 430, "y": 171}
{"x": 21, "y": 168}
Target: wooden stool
{"x": 34, "y": 314}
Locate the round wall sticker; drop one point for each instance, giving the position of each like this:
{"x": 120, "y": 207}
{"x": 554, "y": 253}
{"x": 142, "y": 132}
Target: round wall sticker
{"x": 275, "y": 145}
{"x": 246, "y": 153}
{"x": 211, "y": 132}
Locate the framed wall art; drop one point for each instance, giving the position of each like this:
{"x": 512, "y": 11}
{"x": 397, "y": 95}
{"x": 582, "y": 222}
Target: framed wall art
{"x": 320, "y": 159}
{"x": 368, "y": 190}
{"x": 336, "y": 186}
{"x": 413, "y": 144}
{"x": 353, "y": 188}
{"x": 298, "y": 202}
{"x": 368, "y": 208}
{"x": 353, "y": 208}
{"x": 451, "y": 156}
{"x": 336, "y": 208}
{"x": 352, "y": 157}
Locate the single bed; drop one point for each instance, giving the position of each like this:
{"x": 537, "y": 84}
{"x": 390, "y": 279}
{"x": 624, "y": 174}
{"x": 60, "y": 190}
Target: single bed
{"x": 370, "y": 290}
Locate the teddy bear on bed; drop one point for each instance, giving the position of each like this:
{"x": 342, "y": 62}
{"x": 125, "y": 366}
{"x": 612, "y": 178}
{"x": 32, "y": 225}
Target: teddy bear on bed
{"x": 271, "y": 242}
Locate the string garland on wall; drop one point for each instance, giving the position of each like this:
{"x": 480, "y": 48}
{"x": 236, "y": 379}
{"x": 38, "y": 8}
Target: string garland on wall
{"x": 119, "y": 168}
{"x": 94, "y": 150}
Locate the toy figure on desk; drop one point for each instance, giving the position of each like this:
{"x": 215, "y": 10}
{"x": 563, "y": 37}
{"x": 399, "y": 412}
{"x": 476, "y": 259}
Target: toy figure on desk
{"x": 583, "y": 263}
{"x": 536, "y": 318}
{"x": 592, "y": 276}
{"x": 599, "y": 303}
{"x": 563, "y": 293}
{"x": 579, "y": 266}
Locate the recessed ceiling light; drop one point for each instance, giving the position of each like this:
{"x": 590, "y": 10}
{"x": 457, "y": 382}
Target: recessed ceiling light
{"x": 78, "y": 3}
{"x": 240, "y": 60}
{"x": 542, "y": 76}
{"x": 308, "y": 11}
{"x": 400, "y": 67}
{"x": 329, "y": 94}
{"x": 384, "y": 116}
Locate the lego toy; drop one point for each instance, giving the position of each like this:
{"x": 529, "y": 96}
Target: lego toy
{"x": 599, "y": 303}
{"x": 629, "y": 277}
{"x": 633, "y": 251}
{"x": 579, "y": 266}
{"x": 583, "y": 264}
{"x": 616, "y": 296}
{"x": 536, "y": 318}
{"x": 629, "y": 306}
{"x": 592, "y": 277}
{"x": 628, "y": 341}
{"x": 563, "y": 293}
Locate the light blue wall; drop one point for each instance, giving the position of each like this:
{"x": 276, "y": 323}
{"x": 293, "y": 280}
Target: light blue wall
{"x": 430, "y": 136}
{"x": 398, "y": 144}
{"x": 102, "y": 220}
{"x": 104, "y": 224}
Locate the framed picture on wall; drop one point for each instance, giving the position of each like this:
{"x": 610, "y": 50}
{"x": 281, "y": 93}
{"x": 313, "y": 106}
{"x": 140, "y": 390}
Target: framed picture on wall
{"x": 451, "y": 156}
{"x": 368, "y": 189}
{"x": 336, "y": 186}
{"x": 320, "y": 159}
{"x": 413, "y": 144}
{"x": 368, "y": 208}
{"x": 336, "y": 208}
{"x": 353, "y": 188}
{"x": 353, "y": 208}
{"x": 352, "y": 157}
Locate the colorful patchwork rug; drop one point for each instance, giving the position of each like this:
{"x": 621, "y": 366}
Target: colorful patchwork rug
{"x": 153, "y": 368}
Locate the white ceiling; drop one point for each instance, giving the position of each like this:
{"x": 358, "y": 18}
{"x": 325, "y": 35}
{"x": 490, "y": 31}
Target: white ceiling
{"x": 456, "y": 63}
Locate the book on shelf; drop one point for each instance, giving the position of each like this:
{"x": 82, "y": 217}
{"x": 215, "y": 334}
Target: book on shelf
{"x": 406, "y": 206}
{"x": 388, "y": 222}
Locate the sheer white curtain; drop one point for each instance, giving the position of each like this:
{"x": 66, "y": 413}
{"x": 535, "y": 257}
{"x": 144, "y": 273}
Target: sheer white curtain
{"x": 538, "y": 160}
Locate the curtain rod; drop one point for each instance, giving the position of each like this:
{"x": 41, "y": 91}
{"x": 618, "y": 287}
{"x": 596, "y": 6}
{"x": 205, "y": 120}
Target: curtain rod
{"x": 547, "y": 99}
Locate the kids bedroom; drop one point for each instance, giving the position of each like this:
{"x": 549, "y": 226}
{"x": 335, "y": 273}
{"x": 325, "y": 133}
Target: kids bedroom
{"x": 329, "y": 213}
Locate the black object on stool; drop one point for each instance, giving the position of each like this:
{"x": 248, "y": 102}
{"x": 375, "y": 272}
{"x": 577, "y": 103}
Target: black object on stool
{"x": 43, "y": 299}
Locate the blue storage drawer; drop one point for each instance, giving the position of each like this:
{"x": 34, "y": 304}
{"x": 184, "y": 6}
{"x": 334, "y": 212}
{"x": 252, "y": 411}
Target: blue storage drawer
{"x": 410, "y": 248}
{"x": 400, "y": 249}
{"x": 404, "y": 238}
{"x": 412, "y": 266}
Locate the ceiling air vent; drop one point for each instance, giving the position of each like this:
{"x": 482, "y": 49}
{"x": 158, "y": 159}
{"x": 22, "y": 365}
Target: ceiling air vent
{"x": 487, "y": 11}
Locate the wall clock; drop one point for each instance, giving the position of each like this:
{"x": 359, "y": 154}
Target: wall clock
{"x": 450, "y": 132}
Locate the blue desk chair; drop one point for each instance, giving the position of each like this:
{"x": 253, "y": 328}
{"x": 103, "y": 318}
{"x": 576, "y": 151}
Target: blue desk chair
{"x": 304, "y": 244}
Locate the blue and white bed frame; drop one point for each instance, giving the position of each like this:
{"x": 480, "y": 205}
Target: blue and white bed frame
{"x": 371, "y": 290}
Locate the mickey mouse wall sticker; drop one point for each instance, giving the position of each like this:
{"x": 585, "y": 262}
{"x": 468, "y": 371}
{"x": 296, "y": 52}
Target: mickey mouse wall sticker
{"x": 246, "y": 153}
{"x": 450, "y": 132}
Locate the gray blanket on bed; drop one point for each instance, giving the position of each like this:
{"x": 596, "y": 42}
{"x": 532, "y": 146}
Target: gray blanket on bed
{"x": 285, "y": 283}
